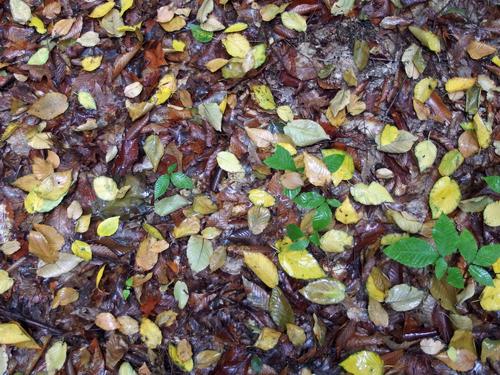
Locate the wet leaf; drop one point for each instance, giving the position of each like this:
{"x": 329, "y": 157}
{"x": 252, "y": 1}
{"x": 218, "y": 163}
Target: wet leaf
{"x": 40, "y": 57}
{"x": 150, "y": 333}
{"x": 49, "y": 106}
{"x": 377, "y": 314}
{"x": 12, "y": 333}
{"x": 300, "y": 265}
{"x": 280, "y": 310}
{"x": 362, "y": 363}
{"x": 404, "y": 297}
{"x": 6, "y": 282}
{"x": 109, "y": 226}
{"x": 207, "y": 358}
{"x": 228, "y": 162}
{"x": 342, "y": 7}
{"x": 324, "y": 291}
{"x": 444, "y": 197}
{"x": 82, "y": 249}
{"x": 198, "y": 252}
{"x": 427, "y": 38}
{"x": 166, "y": 206}
{"x": 294, "y": 21}
{"x": 181, "y": 293}
{"x": 315, "y": 170}
{"x": 305, "y": 132}
{"x": 236, "y": 45}
{"x": 373, "y": 194}
{"x": 211, "y": 113}
{"x": 335, "y": 241}
{"x": 258, "y": 219}
{"x": 263, "y": 267}
{"x": 55, "y": 357}
{"x": 102, "y": 9}
{"x": 412, "y": 252}
{"x": 268, "y": 339}
{"x": 361, "y": 54}
{"x": 346, "y": 213}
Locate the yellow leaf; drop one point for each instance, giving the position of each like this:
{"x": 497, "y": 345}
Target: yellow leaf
{"x": 215, "y": 64}
{"x": 496, "y": 60}
{"x": 346, "y": 213}
{"x": 490, "y": 298}
{"x": 150, "y": 333}
{"x": 263, "y": 267}
{"x": 6, "y": 281}
{"x": 477, "y": 50}
{"x": 491, "y": 214}
{"x": 100, "y": 273}
{"x": 483, "y": 131}
{"x": 86, "y": 100}
{"x": 377, "y": 284}
{"x": 300, "y": 264}
{"x": 268, "y": 338}
{"x": 287, "y": 146}
{"x": 101, "y": 10}
{"x": 237, "y": 27}
{"x": 175, "y": 24}
{"x": 270, "y": 11}
{"x": 263, "y": 96}
{"x": 427, "y": 38}
{"x": 236, "y": 45}
{"x": 228, "y": 162}
{"x": 178, "y": 45}
{"x": 496, "y": 266}
{"x": 459, "y": 84}
{"x": 37, "y": 23}
{"x": 65, "y": 296}
{"x": 295, "y": 334}
{"x": 285, "y": 113}
{"x": 335, "y": 241}
{"x": 82, "y": 249}
{"x": 91, "y": 63}
{"x": 363, "y": 363}
{"x": 444, "y": 197}
{"x": 373, "y": 194}
{"x": 389, "y": 135}
{"x": 125, "y": 5}
{"x": 155, "y": 233}
{"x": 346, "y": 170}
{"x": 260, "y": 197}
{"x": 424, "y": 88}
{"x": 108, "y": 227}
{"x": 173, "y": 353}
{"x": 13, "y": 334}
{"x": 105, "y": 188}
{"x": 294, "y": 21}
{"x": 83, "y": 223}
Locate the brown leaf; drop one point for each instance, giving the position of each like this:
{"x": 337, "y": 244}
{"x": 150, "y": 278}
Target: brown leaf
{"x": 477, "y": 50}
{"x": 62, "y": 27}
{"x": 467, "y": 144}
{"x": 49, "y": 106}
{"x": 45, "y": 243}
{"x": 316, "y": 171}
{"x": 106, "y": 321}
{"x": 291, "y": 180}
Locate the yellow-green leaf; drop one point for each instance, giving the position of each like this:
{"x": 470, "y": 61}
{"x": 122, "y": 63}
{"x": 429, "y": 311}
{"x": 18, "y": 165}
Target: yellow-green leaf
{"x": 260, "y": 197}
{"x": 154, "y": 150}
{"x": 373, "y": 194}
{"x": 285, "y": 113}
{"x": 491, "y": 214}
{"x": 294, "y": 21}
{"x": 459, "y": 84}
{"x": 389, "y": 134}
{"x": 267, "y": 339}
{"x": 125, "y": 5}
{"x": 300, "y": 264}
{"x": 40, "y": 57}
{"x": 185, "y": 366}
{"x": 346, "y": 213}
{"x": 426, "y": 153}
{"x": 108, "y": 227}
{"x": 227, "y": 161}
{"x": 346, "y": 169}
{"x": 237, "y": 27}
{"x": 363, "y": 363}
{"x": 236, "y": 45}
{"x": 424, "y": 88}
{"x": 263, "y": 96}
{"x": 150, "y": 333}
{"x": 427, "y": 38}
{"x": 91, "y": 63}
{"x": 263, "y": 267}
{"x": 6, "y": 281}
{"x": 335, "y": 241}
{"x": 102, "y": 9}
{"x": 12, "y": 333}
{"x": 450, "y": 162}
{"x": 483, "y": 131}
{"x": 38, "y": 24}
{"x": 444, "y": 197}
{"x": 86, "y": 100}
{"x": 105, "y": 188}
{"x": 82, "y": 249}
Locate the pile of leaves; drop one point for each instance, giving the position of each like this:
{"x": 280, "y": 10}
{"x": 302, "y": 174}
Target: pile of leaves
{"x": 249, "y": 187}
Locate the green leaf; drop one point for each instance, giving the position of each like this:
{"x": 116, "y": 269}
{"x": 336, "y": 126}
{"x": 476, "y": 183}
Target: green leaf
{"x": 487, "y": 255}
{"x": 493, "y": 183}
{"x": 40, "y": 57}
{"x": 86, "y": 100}
{"x": 198, "y": 252}
{"x": 445, "y": 235}
{"x": 440, "y": 267}
{"x": 125, "y": 294}
{"x": 322, "y": 217}
{"x": 201, "y": 35}
{"x": 294, "y": 232}
{"x": 481, "y": 275}
{"x": 170, "y": 204}
{"x": 281, "y": 160}
{"x": 334, "y": 162}
{"x": 256, "y": 364}
{"x": 412, "y": 252}
{"x": 280, "y": 310}
{"x": 334, "y": 202}
{"x": 129, "y": 282}
{"x": 171, "y": 168}
{"x": 299, "y": 245}
{"x": 291, "y": 193}
{"x": 455, "y": 278}
{"x": 181, "y": 181}
{"x": 314, "y": 238}
{"x": 161, "y": 185}
{"x": 472, "y": 97}
{"x": 309, "y": 200}
{"x": 467, "y": 245}
{"x": 211, "y": 113}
